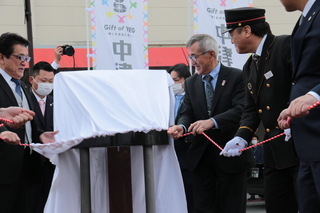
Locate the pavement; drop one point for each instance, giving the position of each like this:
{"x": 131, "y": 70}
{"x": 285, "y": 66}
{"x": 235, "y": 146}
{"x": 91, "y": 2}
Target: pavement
{"x": 256, "y": 206}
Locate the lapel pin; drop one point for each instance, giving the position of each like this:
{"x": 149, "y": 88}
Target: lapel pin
{"x": 223, "y": 83}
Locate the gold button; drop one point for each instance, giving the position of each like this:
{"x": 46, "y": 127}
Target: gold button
{"x": 268, "y": 108}
{"x": 268, "y": 85}
{"x": 260, "y": 110}
{"x": 251, "y": 92}
{"x": 267, "y": 130}
{"x": 277, "y": 127}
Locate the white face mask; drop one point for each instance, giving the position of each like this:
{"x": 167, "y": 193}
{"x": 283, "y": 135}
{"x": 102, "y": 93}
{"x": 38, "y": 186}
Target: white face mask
{"x": 254, "y": 142}
{"x": 177, "y": 88}
{"x": 44, "y": 88}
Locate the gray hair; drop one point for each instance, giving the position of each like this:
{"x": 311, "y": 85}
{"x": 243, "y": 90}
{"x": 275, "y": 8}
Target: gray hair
{"x": 206, "y": 43}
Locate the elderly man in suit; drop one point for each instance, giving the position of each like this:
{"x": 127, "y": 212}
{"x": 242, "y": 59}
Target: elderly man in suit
{"x": 213, "y": 103}
{"x": 267, "y": 76}
{"x": 18, "y": 165}
{"x": 305, "y": 91}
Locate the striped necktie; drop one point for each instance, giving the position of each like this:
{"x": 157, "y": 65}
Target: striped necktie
{"x": 209, "y": 92}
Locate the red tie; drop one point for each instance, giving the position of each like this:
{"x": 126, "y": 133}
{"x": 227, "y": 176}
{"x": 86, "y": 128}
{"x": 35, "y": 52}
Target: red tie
{"x": 41, "y": 104}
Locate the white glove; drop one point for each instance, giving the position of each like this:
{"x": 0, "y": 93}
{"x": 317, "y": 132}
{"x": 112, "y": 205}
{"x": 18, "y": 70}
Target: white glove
{"x": 233, "y": 147}
{"x": 288, "y": 134}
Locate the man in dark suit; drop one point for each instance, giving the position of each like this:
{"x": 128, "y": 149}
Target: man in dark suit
{"x": 213, "y": 103}
{"x": 267, "y": 76}
{"x": 18, "y": 165}
{"x": 305, "y": 91}
{"x": 41, "y": 82}
{"x": 42, "y": 85}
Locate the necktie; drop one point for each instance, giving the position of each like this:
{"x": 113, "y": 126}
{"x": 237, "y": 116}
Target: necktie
{"x": 18, "y": 86}
{"x": 209, "y": 92}
{"x": 255, "y": 64}
{"x": 256, "y": 58}
{"x": 41, "y": 104}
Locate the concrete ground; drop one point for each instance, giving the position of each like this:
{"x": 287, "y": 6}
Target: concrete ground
{"x": 256, "y": 206}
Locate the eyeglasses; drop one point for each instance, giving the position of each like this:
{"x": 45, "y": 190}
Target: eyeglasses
{"x": 23, "y": 58}
{"x": 194, "y": 57}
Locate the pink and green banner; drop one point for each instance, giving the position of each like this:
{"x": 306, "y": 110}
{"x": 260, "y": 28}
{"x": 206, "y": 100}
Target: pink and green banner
{"x": 119, "y": 34}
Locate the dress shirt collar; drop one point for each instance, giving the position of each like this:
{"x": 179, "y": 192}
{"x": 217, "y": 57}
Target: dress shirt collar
{"x": 214, "y": 73}
{"x": 260, "y": 47}
{"x": 307, "y": 8}
{"x": 38, "y": 98}
{"x": 7, "y": 78}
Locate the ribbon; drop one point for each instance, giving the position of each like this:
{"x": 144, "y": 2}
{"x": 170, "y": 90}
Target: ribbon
{"x": 257, "y": 144}
{"x": 6, "y": 120}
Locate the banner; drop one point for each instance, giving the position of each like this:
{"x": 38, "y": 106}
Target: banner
{"x": 119, "y": 34}
{"x": 209, "y": 19}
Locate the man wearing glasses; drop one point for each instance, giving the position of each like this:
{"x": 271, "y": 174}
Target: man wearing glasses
{"x": 213, "y": 104}
{"x": 18, "y": 164}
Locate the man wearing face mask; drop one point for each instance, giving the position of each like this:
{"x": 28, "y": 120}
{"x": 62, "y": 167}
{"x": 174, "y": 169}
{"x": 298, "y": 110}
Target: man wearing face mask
{"x": 258, "y": 170}
{"x": 257, "y": 150}
{"x": 179, "y": 73}
{"x": 41, "y": 86}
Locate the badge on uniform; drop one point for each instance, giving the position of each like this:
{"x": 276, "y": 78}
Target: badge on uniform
{"x": 268, "y": 74}
{"x": 255, "y": 172}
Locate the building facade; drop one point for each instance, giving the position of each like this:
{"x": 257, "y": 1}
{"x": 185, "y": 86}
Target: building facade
{"x": 170, "y": 23}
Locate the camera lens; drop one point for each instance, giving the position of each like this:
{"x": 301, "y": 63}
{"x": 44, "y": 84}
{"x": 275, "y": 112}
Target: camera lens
{"x": 68, "y": 50}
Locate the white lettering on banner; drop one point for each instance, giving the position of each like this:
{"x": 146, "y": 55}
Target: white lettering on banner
{"x": 211, "y": 13}
{"x": 119, "y": 34}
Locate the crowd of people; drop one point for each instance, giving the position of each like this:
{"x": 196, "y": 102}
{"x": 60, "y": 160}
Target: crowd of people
{"x": 280, "y": 80}
{"x": 277, "y": 84}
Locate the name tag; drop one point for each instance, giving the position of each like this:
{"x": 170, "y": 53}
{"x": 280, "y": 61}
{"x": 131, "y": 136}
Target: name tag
{"x": 268, "y": 74}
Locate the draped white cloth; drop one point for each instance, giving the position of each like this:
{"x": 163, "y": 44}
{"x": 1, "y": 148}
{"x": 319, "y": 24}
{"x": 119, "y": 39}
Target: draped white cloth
{"x": 95, "y": 103}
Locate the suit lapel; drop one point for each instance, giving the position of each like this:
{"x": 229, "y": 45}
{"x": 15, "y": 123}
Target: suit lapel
{"x": 264, "y": 58}
{"x": 299, "y": 34}
{"x": 26, "y": 91}
{"x": 49, "y": 112}
{"x": 37, "y": 110}
{"x": 199, "y": 88}
{"x": 7, "y": 91}
{"x": 220, "y": 85}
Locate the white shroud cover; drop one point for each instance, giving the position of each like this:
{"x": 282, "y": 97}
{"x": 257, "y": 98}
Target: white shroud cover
{"x": 106, "y": 102}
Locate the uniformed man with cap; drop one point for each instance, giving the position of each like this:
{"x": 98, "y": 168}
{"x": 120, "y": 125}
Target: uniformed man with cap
{"x": 267, "y": 76}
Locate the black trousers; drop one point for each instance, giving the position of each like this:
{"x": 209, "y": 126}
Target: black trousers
{"x": 281, "y": 189}
{"x": 14, "y": 197}
{"x": 309, "y": 187}
{"x": 216, "y": 191}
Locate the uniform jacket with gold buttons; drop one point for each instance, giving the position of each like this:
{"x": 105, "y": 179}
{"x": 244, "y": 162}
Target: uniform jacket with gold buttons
{"x": 267, "y": 95}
